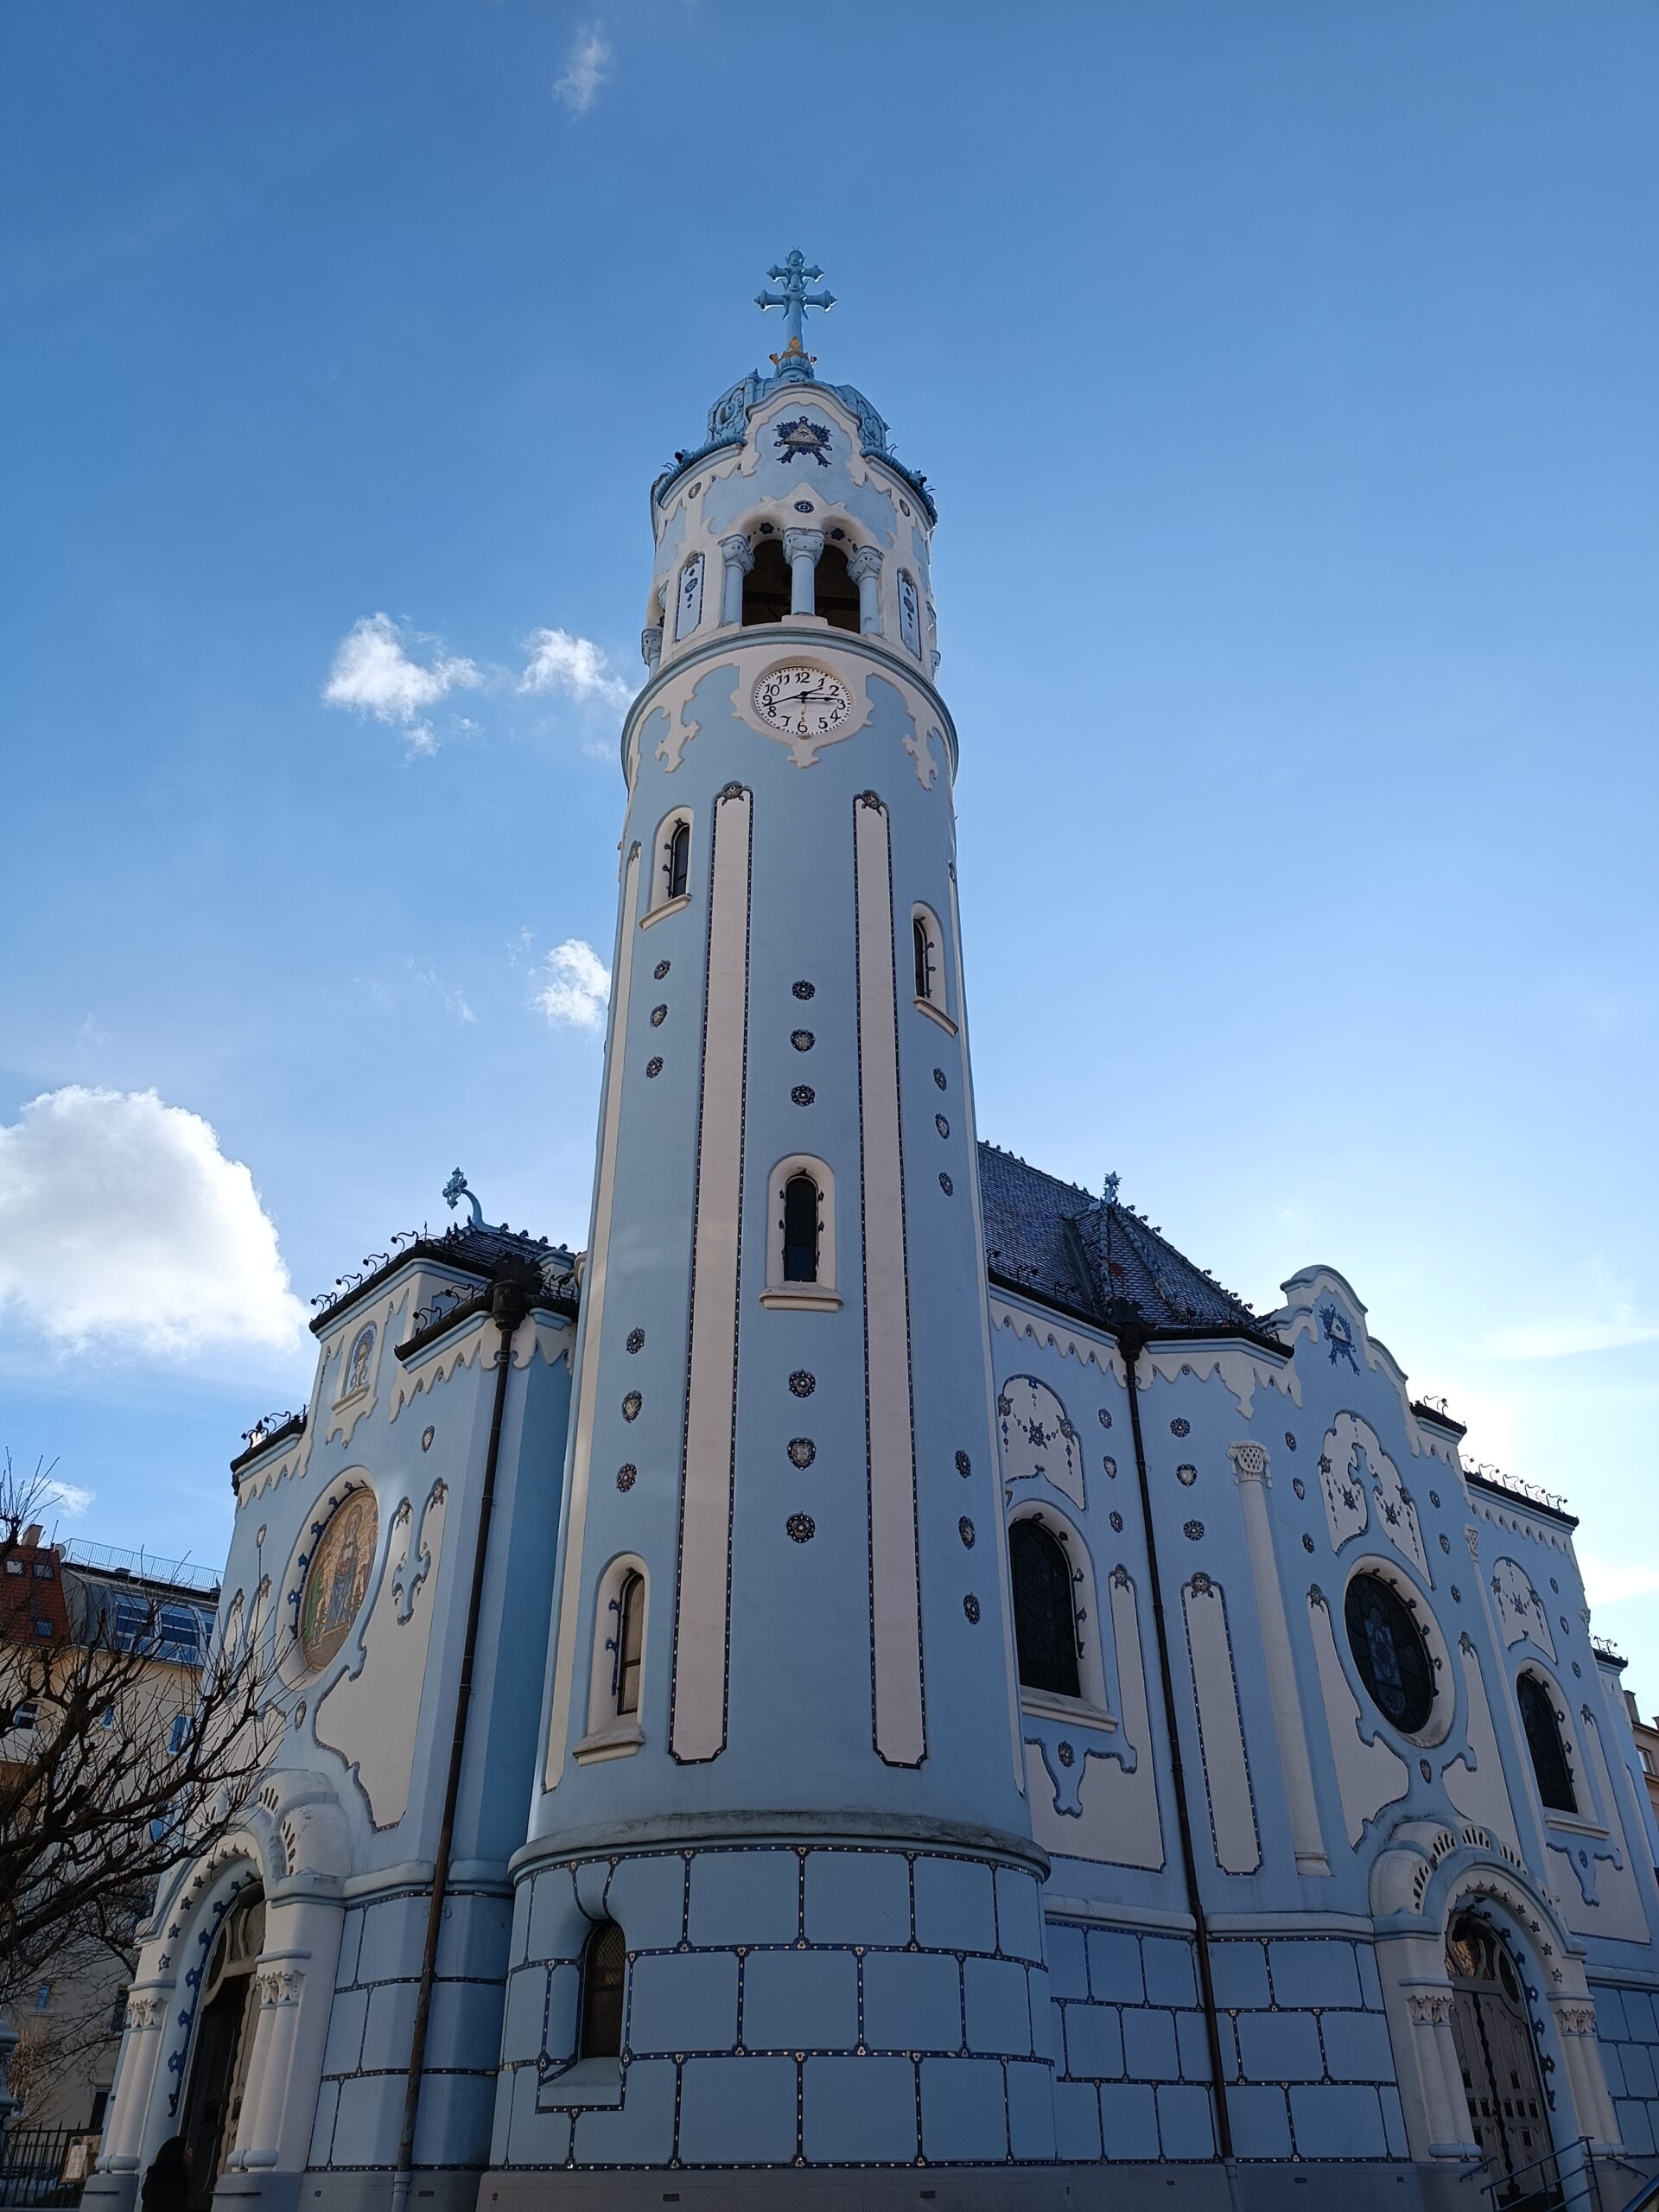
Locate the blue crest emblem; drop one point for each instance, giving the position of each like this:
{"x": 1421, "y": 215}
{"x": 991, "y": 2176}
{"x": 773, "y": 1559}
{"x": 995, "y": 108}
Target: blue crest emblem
{"x": 809, "y": 440}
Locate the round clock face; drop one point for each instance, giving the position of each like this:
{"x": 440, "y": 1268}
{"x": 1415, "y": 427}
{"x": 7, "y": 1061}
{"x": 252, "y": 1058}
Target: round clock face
{"x": 802, "y": 701}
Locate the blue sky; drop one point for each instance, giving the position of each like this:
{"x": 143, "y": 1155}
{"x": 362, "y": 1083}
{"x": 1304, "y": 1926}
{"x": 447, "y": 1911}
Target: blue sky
{"x": 1286, "y": 375}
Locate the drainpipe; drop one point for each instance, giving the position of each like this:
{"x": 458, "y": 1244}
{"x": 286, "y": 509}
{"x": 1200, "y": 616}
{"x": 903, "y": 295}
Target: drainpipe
{"x": 1126, "y": 1320}
{"x": 510, "y": 1300}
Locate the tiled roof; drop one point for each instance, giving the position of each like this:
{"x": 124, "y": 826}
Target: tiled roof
{"x": 1070, "y": 1249}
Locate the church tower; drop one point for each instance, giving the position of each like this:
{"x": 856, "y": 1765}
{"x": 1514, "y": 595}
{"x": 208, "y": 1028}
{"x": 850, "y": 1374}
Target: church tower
{"x": 780, "y": 1798}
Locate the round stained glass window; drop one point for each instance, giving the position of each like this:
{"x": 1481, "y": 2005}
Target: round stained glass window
{"x": 1390, "y": 1652}
{"x": 338, "y": 1577}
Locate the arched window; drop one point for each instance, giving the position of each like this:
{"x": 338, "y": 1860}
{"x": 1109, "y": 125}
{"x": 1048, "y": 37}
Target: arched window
{"x": 1544, "y": 1741}
{"x": 357, "y": 1367}
{"x": 924, "y": 952}
{"x": 1044, "y": 1619}
{"x": 677, "y": 860}
{"x": 836, "y": 597}
{"x": 630, "y": 1643}
{"x": 604, "y": 1970}
{"x": 800, "y": 1230}
{"x": 767, "y": 588}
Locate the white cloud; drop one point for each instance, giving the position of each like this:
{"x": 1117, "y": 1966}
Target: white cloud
{"x": 576, "y": 986}
{"x": 122, "y": 1222}
{"x": 1560, "y": 1339}
{"x": 559, "y": 662}
{"x": 71, "y": 1499}
{"x": 584, "y": 70}
{"x": 374, "y": 672}
{"x": 1608, "y": 1582}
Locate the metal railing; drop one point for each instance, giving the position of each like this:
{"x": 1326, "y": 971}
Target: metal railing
{"x": 35, "y": 2160}
{"x": 143, "y": 1567}
{"x": 1566, "y": 2180}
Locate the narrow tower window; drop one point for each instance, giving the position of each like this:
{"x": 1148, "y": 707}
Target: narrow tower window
{"x": 604, "y": 1967}
{"x": 1544, "y": 1742}
{"x": 837, "y": 594}
{"x": 800, "y": 1230}
{"x": 923, "y": 951}
{"x": 767, "y": 588}
{"x": 928, "y": 949}
{"x": 678, "y": 862}
{"x": 630, "y": 1642}
{"x": 1044, "y": 1619}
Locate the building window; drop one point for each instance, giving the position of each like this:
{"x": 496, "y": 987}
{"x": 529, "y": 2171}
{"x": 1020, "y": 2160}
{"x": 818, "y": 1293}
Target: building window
{"x": 101, "y": 2097}
{"x": 629, "y": 1644}
{"x": 43, "y": 1996}
{"x": 800, "y": 1230}
{"x": 1543, "y": 1733}
{"x": 23, "y": 1717}
{"x": 1390, "y": 1652}
{"x": 1044, "y": 1619}
{"x": 680, "y": 859}
{"x": 767, "y": 588}
{"x": 836, "y": 597}
{"x": 688, "y": 611}
{"x": 1648, "y": 1766}
{"x": 910, "y": 617}
{"x": 42, "y": 1570}
{"x": 16, "y": 1566}
{"x": 927, "y": 954}
{"x": 604, "y": 1971}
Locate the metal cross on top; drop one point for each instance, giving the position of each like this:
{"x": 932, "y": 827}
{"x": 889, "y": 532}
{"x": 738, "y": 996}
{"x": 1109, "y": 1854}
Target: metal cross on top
{"x": 794, "y": 299}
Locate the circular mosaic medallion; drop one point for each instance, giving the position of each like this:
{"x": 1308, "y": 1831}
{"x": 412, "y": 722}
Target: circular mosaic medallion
{"x": 942, "y": 1125}
{"x": 801, "y": 1039}
{"x": 802, "y": 1527}
{"x": 653, "y": 1067}
{"x": 802, "y": 1384}
{"x": 802, "y": 1451}
{"x": 1180, "y": 1425}
{"x": 1299, "y": 1486}
{"x": 803, "y": 1094}
{"x": 1193, "y": 1530}
{"x": 1117, "y": 1522}
{"x": 1445, "y": 1543}
{"x": 1307, "y": 1543}
{"x": 1427, "y": 1773}
{"x": 1105, "y": 1418}
{"x": 1110, "y": 1465}
{"x": 427, "y": 1435}
{"x": 965, "y": 1530}
{"x": 338, "y": 1576}
{"x": 804, "y": 989}
{"x": 660, "y": 970}
{"x": 659, "y": 1016}
{"x": 970, "y": 1606}
{"x": 1064, "y": 1753}
{"x": 938, "y": 1077}
{"x": 636, "y": 1340}
{"x": 627, "y": 1475}
{"x": 631, "y": 1405}
{"x": 803, "y": 506}
{"x": 964, "y": 1464}
{"x": 946, "y": 1184}
{"x": 1186, "y": 1474}
{"x": 1433, "y": 1497}
{"x": 1290, "y": 1441}
{"x": 1456, "y": 1595}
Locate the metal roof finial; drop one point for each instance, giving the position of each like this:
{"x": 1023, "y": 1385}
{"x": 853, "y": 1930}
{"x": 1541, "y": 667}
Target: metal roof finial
{"x": 794, "y": 275}
{"x": 1109, "y": 1190}
{"x": 456, "y": 1190}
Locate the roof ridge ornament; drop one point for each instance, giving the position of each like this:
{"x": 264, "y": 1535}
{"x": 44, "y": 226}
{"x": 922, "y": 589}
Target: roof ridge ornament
{"x": 794, "y": 362}
{"x": 458, "y": 1188}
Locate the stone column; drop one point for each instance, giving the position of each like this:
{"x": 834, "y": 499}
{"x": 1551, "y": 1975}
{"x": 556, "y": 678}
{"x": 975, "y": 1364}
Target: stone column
{"x": 135, "y": 2085}
{"x": 738, "y": 555}
{"x": 277, "y": 1987}
{"x": 1429, "y": 2006}
{"x": 1575, "y": 2024}
{"x": 651, "y": 648}
{"x": 801, "y": 551}
{"x": 865, "y": 569}
{"x": 1307, "y": 1840}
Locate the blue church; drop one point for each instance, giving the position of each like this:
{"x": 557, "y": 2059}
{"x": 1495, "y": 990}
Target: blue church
{"x": 878, "y": 1682}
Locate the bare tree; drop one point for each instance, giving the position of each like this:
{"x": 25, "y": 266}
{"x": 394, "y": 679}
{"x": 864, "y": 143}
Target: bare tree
{"x": 118, "y": 1774}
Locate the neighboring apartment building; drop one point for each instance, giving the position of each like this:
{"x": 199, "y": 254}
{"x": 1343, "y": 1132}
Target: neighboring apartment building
{"x": 70, "y": 1596}
{"x": 1647, "y": 1747}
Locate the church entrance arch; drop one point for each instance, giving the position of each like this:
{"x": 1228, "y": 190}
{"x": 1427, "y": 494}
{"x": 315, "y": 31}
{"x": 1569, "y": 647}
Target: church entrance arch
{"x": 224, "y": 2045}
{"x": 1499, "y": 2056}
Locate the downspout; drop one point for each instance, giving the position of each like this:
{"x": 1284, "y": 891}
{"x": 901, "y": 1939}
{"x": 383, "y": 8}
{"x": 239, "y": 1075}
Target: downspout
{"x": 510, "y": 1300}
{"x": 1126, "y": 1320}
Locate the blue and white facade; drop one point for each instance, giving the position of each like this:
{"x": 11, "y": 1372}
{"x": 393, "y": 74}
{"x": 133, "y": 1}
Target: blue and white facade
{"x": 806, "y": 1849}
